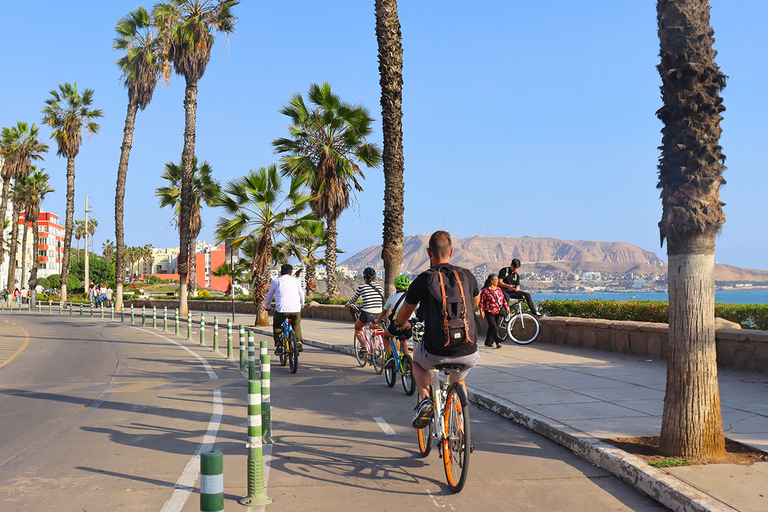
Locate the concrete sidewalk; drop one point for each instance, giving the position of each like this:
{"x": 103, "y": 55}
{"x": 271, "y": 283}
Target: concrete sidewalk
{"x": 578, "y": 396}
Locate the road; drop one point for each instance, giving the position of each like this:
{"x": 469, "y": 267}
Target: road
{"x": 96, "y": 415}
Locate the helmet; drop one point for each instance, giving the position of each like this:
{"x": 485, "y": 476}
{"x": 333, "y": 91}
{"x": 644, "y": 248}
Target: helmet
{"x": 369, "y": 273}
{"x": 402, "y": 282}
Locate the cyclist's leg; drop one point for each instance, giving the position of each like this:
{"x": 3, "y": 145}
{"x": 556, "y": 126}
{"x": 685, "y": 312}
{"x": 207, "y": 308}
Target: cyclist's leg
{"x": 420, "y": 373}
{"x": 297, "y": 330}
{"x": 277, "y": 330}
{"x": 528, "y": 300}
{"x": 359, "y": 331}
{"x": 386, "y": 338}
{"x": 469, "y": 362}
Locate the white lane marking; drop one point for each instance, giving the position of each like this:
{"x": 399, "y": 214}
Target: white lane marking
{"x": 384, "y": 426}
{"x": 186, "y": 482}
{"x": 208, "y": 368}
{"x": 439, "y": 501}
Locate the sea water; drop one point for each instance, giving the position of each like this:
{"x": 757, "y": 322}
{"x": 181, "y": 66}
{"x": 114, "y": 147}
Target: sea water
{"x": 724, "y": 296}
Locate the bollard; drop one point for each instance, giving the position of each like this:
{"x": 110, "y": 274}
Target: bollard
{"x": 154, "y": 317}
{"x": 49, "y": 306}
{"x": 81, "y": 309}
{"x": 256, "y": 495}
{"x": 211, "y": 481}
{"x": 61, "y": 310}
{"x": 143, "y": 316}
{"x": 70, "y": 309}
{"x": 266, "y": 400}
{"x": 112, "y": 312}
{"x": 165, "y": 318}
{"x": 263, "y": 348}
{"x": 241, "y": 343}
{"x": 189, "y": 325}
{"x": 202, "y": 329}
{"x": 122, "y": 314}
{"x": 102, "y": 311}
{"x": 176, "y": 321}
{"x": 251, "y": 357}
{"x": 132, "y": 317}
{"x": 230, "y": 351}
{"x": 91, "y": 310}
{"x": 215, "y": 333}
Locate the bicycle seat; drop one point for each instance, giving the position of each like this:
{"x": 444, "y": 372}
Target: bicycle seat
{"x": 449, "y": 367}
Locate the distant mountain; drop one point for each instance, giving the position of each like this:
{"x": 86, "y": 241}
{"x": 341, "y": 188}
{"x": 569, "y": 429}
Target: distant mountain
{"x": 539, "y": 254}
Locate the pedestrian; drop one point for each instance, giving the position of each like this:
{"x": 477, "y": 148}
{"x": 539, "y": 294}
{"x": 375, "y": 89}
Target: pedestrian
{"x": 109, "y": 294}
{"x": 91, "y": 292}
{"x": 492, "y": 306}
{"x": 289, "y": 299}
{"x": 16, "y": 296}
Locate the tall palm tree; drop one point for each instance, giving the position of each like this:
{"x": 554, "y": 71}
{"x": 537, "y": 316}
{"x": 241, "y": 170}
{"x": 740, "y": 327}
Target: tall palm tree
{"x": 79, "y": 232}
{"x": 187, "y": 28}
{"x": 391, "y": 80}
{"x": 205, "y": 189}
{"x": 19, "y": 146}
{"x": 92, "y": 225}
{"x": 70, "y": 114}
{"x": 142, "y": 65}
{"x": 309, "y": 237}
{"x": 147, "y": 255}
{"x": 108, "y": 250}
{"x": 690, "y": 176}
{"x": 34, "y": 188}
{"x": 326, "y": 142}
{"x": 256, "y": 207}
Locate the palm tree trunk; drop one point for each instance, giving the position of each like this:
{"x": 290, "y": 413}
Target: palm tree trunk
{"x": 24, "y": 252}
{"x": 3, "y": 206}
{"x": 192, "y": 266}
{"x": 311, "y": 280}
{"x": 187, "y": 160}
{"x": 70, "y": 214}
{"x": 122, "y": 172}
{"x": 12, "y": 249}
{"x": 35, "y": 262}
{"x": 332, "y": 289}
{"x": 391, "y": 81}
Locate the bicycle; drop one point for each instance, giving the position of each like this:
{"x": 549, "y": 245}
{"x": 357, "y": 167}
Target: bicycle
{"x": 522, "y": 328}
{"x": 449, "y": 427}
{"x": 400, "y": 363}
{"x": 290, "y": 353}
{"x": 372, "y": 347}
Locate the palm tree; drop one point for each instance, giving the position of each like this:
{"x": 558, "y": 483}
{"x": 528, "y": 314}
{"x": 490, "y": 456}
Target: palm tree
{"x": 187, "y": 29}
{"x": 69, "y": 114}
{"x": 205, "y": 189}
{"x": 309, "y": 237}
{"x": 325, "y": 143}
{"x": 92, "y": 225}
{"x": 108, "y": 250}
{"x": 391, "y": 81}
{"x": 79, "y": 232}
{"x": 256, "y": 207}
{"x": 130, "y": 257}
{"x": 690, "y": 176}
{"x": 34, "y": 188}
{"x": 141, "y": 65}
{"x": 18, "y": 147}
{"x": 146, "y": 254}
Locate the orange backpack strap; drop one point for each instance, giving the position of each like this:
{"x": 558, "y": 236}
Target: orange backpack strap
{"x": 463, "y": 304}
{"x": 446, "y": 329}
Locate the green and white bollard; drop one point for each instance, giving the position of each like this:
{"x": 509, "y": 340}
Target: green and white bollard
{"x": 211, "y": 481}
{"x": 189, "y": 325}
{"x": 102, "y": 311}
{"x": 266, "y": 399}
{"x": 202, "y": 329}
{"x": 263, "y": 348}
{"x": 122, "y": 314}
{"x": 49, "y": 306}
{"x": 112, "y": 312}
{"x": 165, "y": 318}
{"x": 176, "y": 321}
{"x": 81, "y": 309}
{"x": 256, "y": 495}
{"x": 143, "y": 316}
{"x": 230, "y": 350}
{"x": 132, "y": 316}
{"x": 61, "y": 309}
{"x": 70, "y": 309}
{"x": 91, "y": 310}
{"x": 251, "y": 357}
{"x": 154, "y": 317}
{"x": 215, "y": 333}
{"x": 241, "y": 344}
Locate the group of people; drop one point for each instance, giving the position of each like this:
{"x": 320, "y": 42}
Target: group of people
{"x": 445, "y": 296}
{"x": 21, "y": 296}
{"x": 101, "y": 296}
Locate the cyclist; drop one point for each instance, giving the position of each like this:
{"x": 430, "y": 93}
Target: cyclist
{"x": 509, "y": 281}
{"x": 373, "y": 301}
{"x": 395, "y": 302}
{"x": 289, "y": 299}
{"x": 442, "y": 343}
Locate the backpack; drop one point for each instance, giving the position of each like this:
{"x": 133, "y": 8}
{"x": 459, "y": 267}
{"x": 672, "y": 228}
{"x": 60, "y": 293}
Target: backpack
{"x": 447, "y": 309}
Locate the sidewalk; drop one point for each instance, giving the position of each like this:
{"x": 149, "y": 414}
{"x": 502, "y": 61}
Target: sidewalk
{"x": 578, "y": 396}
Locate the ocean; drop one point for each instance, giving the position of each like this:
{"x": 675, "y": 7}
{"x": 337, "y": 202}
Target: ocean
{"x": 724, "y": 296}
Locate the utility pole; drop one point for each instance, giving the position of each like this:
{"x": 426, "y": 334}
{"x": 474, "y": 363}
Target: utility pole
{"x": 87, "y": 280}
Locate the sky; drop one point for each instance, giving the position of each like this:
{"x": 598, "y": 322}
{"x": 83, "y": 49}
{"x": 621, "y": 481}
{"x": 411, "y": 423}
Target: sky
{"x": 519, "y": 118}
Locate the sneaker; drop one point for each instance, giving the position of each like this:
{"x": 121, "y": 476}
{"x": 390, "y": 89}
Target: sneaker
{"x": 539, "y": 315}
{"x": 278, "y": 350}
{"x": 300, "y": 345}
{"x": 424, "y": 411}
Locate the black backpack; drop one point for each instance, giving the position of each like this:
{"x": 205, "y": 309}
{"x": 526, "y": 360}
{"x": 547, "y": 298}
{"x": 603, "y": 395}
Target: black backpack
{"x": 448, "y": 308}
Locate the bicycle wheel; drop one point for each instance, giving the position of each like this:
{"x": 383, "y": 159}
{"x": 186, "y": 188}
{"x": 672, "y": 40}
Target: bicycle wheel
{"x": 389, "y": 371}
{"x": 457, "y": 444}
{"x": 523, "y": 329}
{"x": 409, "y": 385}
{"x": 502, "y": 330}
{"x": 425, "y": 439}
{"x": 293, "y": 353}
{"x": 360, "y": 353}
{"x": 283, "y": 354}
{"x": 377, "y": 359}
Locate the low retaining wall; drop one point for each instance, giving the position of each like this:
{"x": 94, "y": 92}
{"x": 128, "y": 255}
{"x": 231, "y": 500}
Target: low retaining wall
{"x": 737, "y": 349}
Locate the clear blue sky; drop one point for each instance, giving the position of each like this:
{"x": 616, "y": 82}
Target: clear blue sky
{"x": 520, "y": 118}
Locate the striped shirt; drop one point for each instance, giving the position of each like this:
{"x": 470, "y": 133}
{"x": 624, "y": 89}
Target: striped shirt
{"x": 373, "y": 297}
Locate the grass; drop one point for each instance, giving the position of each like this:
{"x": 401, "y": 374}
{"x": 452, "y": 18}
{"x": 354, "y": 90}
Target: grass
{"x": 670, "y": 462}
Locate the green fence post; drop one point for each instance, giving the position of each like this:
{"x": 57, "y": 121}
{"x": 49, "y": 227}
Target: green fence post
{"x": 211, "y": 481}
{"x": 202, "y": 329}
{"x": 215, "y": 333}
{"x": 241, "y": 344}
{"x": 266, "y": 399}
{"x": 256, "y": 496}
{"x": 230, "y": 350}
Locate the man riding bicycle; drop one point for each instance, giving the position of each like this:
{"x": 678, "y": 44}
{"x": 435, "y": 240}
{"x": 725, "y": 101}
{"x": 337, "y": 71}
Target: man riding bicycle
{"x": 289, "y": 299}
{"x": 447, "y": 295}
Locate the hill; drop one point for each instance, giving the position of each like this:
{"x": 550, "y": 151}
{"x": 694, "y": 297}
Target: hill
{"x": 540, "y": 255}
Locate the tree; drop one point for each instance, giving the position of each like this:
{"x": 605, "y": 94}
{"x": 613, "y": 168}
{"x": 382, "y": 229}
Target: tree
{"x": 79, "y": 232}
{"x": 70, "y": 114}
{"x": 308, "y": 239}
{"x": 326, "y": 142}
{"x": 205, "y": 189}
{"x": 256, "y": 207}
{"x": 391, "y": 81}
{"x": 142, "y": 65}
{"x": 35, "y": 189}
{"x": 187, "y": 30}
{"x": 108, "y": 250}
{"x": 690, "y": 177}
{"x": 92, "y": 225}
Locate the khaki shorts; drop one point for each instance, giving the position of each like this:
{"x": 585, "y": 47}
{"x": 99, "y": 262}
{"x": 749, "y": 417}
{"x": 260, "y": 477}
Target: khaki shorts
{"x": 429, "y": 361}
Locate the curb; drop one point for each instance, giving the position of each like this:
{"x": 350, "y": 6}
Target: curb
{"x": 656, "y": 483}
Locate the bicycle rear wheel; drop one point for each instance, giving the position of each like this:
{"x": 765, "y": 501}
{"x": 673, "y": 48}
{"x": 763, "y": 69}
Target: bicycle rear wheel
{"x": 293, "y": 353}
{"x": 457, "y": 444}
{"x": 523, "y": 329}
{"x": 389, "y": 371}
{"x": 360, "y": 353}
{"x": 425, "y": 436}
{"x": 283, "y": 354}
{"x": 409, "y": 385}
{"x": 378, "y": 354}
{"x": 502, "y": 330}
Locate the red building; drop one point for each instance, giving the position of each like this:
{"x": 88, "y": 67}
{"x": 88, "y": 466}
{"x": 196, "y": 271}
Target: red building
{"x": 51, "y": 246}
{"x": 206, "y": 262}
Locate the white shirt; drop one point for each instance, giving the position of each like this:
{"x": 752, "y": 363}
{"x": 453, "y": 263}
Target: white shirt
{"x": 288, "y": 293}
{"x": 392, "y": 300}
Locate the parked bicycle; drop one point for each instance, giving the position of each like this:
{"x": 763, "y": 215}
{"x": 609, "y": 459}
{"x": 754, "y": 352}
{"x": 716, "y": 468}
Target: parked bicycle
{"x": 290, "y": 353}
{"x": 522, "y": 328}
{"x": 372, "y": 347}
{"x": 401, "y": 363}
{"x": 449, "y": 427}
